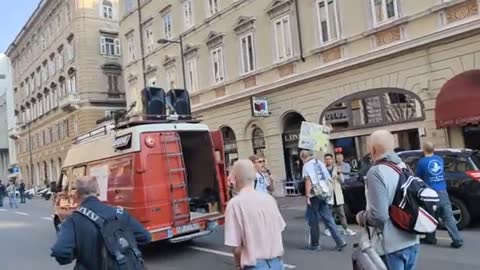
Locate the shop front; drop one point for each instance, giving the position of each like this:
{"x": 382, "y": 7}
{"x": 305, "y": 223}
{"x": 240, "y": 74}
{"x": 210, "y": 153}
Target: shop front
{"x": 457, "y": 109}
{"x": 229, "y": 145}
{"x": 353, "y": 118}
{"x": 292, "y": 123}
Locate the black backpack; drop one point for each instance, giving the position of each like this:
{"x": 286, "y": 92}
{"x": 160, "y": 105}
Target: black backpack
{"x": 119, "y": 250}
{"x": 414, "y": 205}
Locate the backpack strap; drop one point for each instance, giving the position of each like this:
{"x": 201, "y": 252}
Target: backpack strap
{"x": 389, "y": 164}
{"x": 91, "y": 216}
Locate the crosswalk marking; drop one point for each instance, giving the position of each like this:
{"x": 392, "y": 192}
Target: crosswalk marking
{"x": 227, "y": 254}
{"x": 3, "y": 210}
{"x": 47, "y": 218}
{"x": 22, "y": 213}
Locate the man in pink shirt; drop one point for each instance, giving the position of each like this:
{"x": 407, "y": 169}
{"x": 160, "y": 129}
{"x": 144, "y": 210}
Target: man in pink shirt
{"x": 253, "y": 223}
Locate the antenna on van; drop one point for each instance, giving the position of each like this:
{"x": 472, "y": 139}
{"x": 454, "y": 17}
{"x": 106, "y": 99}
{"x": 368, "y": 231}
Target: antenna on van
{"x": 117, "y": 117}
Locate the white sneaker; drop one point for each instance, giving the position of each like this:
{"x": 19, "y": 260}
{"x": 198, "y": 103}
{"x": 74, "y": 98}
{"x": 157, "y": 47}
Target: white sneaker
{"x": 327, "y": 233}
{"x": 349, "y": 232}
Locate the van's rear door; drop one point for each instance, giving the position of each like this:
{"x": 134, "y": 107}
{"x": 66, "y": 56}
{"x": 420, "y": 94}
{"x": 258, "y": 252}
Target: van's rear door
{"x": 217, "y": 142}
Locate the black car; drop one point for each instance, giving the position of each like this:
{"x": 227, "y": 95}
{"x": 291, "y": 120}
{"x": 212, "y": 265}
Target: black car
{"x": 462, "y": 172}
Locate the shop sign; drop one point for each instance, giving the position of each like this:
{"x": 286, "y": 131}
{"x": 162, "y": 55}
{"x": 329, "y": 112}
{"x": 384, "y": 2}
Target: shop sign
{"x": 336, "y": 116}
{"x": 259, "y": 107}
{"x": 291, "y": 138}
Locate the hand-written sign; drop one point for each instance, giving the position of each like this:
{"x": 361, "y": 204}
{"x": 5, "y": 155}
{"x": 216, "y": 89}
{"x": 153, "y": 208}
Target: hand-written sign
{"x": 314, "y": 137}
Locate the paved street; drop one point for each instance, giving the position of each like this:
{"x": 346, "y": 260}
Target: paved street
{"x": 27, "y": 233}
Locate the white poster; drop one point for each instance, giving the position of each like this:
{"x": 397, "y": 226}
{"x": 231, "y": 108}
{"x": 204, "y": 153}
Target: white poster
{"x": 314, "y": 137}
{"x": 101, "y": 173}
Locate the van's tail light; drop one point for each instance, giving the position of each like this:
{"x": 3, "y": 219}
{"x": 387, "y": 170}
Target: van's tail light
{"x": 474, "y": 174}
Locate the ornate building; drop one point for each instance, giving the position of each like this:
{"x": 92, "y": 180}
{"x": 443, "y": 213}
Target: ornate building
{"x": 66, "y": 75}
{"x": 257, "y": 68}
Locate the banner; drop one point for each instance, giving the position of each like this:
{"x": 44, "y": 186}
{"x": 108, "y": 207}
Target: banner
{"x": 314, "y": 137}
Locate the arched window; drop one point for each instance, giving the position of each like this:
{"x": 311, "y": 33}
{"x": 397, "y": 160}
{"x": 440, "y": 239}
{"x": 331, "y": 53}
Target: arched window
{"x": 258, "y": 141}
{"x": 107, "y": 10}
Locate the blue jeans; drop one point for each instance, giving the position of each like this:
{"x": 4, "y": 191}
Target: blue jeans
{"x": 12, "y": 201}
{"x": 318, "y": 211}
{"x": 445, "y": 212}
{"x": 273, "y": 264}
{"x": 1, "y": 200}
{"x": 405, "y": 259}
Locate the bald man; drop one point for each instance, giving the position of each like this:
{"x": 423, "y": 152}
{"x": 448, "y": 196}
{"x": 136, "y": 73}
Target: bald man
{"x": 79, "y": 237}
{"x": 253, "y": 223}
{"x": 430, "y": 168}
{"x": 400, "y": 247}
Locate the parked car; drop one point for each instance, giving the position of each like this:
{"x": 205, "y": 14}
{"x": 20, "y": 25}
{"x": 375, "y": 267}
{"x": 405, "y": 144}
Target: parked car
{"x": 462, "y": 173}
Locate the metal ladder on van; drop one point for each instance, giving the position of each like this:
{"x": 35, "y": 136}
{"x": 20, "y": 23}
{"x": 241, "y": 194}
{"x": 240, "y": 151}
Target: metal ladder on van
{"x": 177, "y": 176}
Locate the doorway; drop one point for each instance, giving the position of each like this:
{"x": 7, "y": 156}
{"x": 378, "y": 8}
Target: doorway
{"x": 471, "y": 134}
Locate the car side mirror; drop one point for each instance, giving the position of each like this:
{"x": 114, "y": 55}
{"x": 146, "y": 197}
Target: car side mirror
{"x": 53, "y": 187}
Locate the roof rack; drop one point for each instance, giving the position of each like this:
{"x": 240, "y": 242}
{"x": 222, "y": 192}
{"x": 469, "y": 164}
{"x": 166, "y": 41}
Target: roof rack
{"x": 142, "y": 119}
{"x": 101, "y": 131}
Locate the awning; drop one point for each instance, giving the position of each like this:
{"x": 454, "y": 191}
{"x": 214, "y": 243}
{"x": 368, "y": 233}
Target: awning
{"x": 458, "y": 103}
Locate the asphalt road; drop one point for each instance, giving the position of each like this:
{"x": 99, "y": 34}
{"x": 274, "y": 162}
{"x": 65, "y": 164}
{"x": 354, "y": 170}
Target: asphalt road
{"x": 27, "y": 233}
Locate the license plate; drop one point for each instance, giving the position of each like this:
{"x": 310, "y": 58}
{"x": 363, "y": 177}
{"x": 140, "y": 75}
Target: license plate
{"x": 188, "y": 228}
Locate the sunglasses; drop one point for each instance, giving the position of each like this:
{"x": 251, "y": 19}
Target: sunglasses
{"x": 261, "y": 161}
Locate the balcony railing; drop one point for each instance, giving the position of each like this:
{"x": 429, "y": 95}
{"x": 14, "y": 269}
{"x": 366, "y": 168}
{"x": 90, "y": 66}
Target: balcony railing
{"x": 69, "y": 103}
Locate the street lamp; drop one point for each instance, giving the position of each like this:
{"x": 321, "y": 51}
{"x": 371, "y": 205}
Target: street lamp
{"x": 180, "y": 42}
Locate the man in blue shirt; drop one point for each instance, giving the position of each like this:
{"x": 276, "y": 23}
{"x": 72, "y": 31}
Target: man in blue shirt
{"x": 431, "y": 169}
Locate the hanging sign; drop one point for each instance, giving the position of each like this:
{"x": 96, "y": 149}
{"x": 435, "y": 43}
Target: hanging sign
{"x": 260, "y": 107}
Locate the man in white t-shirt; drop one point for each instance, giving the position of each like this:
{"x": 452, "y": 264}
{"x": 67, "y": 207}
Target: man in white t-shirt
{"x": 262, "y": 180}
{"x": 314, "y": 172}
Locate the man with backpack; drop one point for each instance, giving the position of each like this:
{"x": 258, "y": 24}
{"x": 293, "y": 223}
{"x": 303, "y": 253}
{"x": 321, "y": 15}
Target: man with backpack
{"x": 98, "y": 236}
{"x": 400, "y": 247}
{"x": 431, "y": 169}
{"x": 318, "y": 192}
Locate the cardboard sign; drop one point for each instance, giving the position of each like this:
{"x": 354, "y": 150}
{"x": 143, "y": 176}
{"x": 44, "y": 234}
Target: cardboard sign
{"x": 314, "y": 137}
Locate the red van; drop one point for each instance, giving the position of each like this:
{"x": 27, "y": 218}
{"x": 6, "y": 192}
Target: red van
{"x": 168, "y": 175}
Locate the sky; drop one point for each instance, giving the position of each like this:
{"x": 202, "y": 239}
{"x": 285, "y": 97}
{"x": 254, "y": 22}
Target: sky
{"x": 13, "y": 16}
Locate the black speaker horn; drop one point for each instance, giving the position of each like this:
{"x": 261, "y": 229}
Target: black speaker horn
{"x": 154, "y": 102}
{"x": 179, "y": 99}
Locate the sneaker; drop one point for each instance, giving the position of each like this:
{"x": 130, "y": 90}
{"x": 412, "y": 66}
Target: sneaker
{"x": 456, "y": 245}
{"x": 429, "y": 241}
{"x": 327, "y": 233}
{"x": 349, "y": 232}
{"x": 340, "y": 248}
{"x": 313, "y": 248}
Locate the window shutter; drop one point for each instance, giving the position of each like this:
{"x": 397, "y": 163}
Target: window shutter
{"x": 103, "y": 46}
{"x": 117, "y": 47}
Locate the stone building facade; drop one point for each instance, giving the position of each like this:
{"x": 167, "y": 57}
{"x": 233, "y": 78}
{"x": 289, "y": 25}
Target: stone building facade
{"x": 66, "y": 75}
{"x": 356, "y": 66}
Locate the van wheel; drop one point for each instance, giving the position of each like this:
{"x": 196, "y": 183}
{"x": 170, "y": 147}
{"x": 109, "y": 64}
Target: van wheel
{"x": 56, "y": 224}
{"x": 460, "y": 213}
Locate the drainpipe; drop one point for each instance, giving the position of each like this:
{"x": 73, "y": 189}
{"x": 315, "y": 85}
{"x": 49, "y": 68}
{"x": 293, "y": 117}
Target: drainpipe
{"x": 142, "y": 49}
{"x": 299, "y": 30}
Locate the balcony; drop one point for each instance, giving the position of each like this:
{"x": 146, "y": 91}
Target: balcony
{"x": 116, "y": 99}
{"x": 69, "y": 103}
